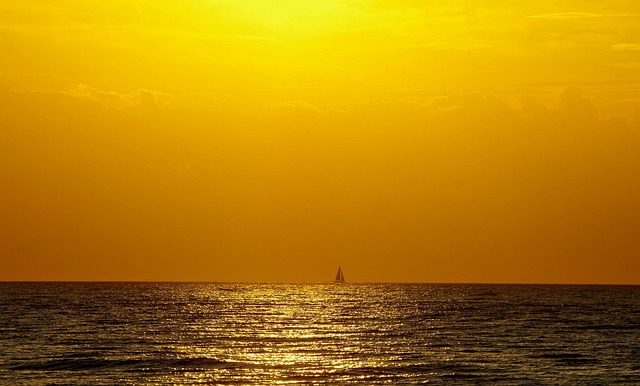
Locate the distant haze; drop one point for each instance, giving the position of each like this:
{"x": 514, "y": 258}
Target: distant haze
{"x": 407, "y": 141}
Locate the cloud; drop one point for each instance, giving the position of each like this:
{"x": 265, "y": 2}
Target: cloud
{"x": 577, "y": 15}
{"x": 148, "y": 100}
{"x": 35, "y": 81}
{"x": 47, "y": 84}
{"x": 110, "y": 98}
{"x": 447, "y": 46}
{"x": 626, "y": 47}
{"x": 299, "y": 105}
{"x": 573, "y": 102}
{"x": 474, "y": 101}
{"x": 627, "y": 64}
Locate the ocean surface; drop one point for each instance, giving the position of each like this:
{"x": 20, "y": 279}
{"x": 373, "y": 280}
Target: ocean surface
{"x": 269, "y": 334}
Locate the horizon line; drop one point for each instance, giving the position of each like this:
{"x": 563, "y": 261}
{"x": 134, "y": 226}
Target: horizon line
{"x": 316, "y": 282}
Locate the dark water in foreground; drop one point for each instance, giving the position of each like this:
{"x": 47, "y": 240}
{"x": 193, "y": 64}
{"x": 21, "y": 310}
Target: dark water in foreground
{"x": 137, "y": 333}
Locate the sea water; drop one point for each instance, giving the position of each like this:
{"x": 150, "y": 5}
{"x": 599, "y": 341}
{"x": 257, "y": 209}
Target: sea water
{"x": 268, "y": 334}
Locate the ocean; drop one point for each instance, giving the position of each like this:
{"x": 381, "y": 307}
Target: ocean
{"x": 323, "y": 334}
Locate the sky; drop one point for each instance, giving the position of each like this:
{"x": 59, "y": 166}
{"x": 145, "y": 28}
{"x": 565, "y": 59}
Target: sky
{"x": 407, "y": 141}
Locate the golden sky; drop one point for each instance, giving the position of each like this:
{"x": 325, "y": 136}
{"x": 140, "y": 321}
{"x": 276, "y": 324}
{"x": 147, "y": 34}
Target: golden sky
{"x": 231, "y": 140}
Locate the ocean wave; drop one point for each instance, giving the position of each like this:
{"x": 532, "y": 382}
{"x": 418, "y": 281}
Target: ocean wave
{"x": 151, "y": 364}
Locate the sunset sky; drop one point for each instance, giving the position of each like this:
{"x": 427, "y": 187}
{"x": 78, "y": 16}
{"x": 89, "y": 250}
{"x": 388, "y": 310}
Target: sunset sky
{"x": 251, "y": 140}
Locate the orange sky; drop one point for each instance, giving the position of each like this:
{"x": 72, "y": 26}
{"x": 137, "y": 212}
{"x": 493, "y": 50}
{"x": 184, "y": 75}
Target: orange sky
{"x": 224, "y": 140}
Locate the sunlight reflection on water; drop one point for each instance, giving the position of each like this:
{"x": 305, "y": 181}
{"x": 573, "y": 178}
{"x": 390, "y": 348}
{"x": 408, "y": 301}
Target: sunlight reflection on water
{"x": 317, "y": 333}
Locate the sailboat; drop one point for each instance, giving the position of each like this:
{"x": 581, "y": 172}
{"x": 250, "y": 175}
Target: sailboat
{"x": 339, "y": 276}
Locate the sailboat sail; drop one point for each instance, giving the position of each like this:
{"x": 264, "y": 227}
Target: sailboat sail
{"x": 339, "y": 276}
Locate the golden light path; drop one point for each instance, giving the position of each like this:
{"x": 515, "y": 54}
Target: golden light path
{"x": 288, "y": 331}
